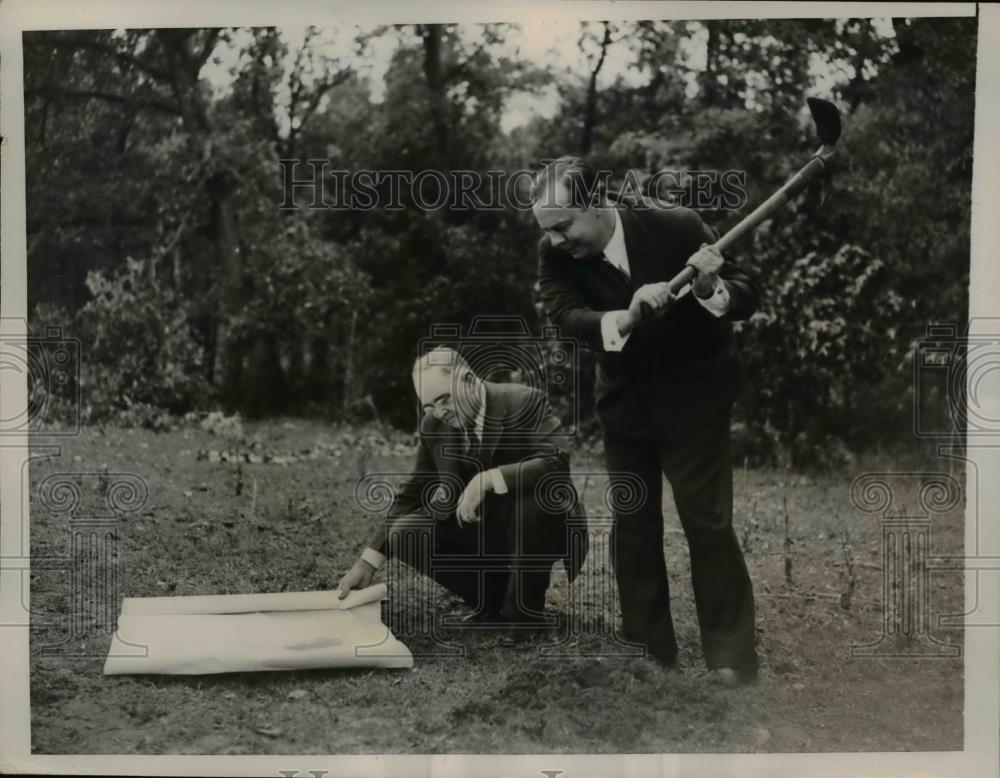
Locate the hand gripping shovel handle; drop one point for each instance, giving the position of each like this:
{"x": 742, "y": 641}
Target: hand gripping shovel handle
{"x": 827, "y": 120}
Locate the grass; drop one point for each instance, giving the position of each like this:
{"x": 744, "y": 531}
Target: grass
{"x": 288, "y": 520}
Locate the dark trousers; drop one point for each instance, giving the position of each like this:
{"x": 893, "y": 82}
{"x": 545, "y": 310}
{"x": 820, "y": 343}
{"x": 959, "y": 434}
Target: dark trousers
{"x": 500, "y": 564}
{"x": 699, "y": 471}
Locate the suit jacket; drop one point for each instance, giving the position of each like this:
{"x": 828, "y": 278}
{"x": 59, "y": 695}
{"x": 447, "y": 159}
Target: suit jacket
{"x": 676, "y": 372}
{"x": 519, "y": 438}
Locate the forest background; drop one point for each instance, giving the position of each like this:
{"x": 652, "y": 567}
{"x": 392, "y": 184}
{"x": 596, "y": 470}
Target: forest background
{"x": 155, "y": 235}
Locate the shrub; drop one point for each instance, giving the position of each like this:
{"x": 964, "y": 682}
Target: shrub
{"x": 139, "y": 353}
{"x": 826, "y": 329}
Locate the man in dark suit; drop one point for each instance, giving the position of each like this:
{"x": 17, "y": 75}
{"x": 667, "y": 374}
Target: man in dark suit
{"x": 485, "y": 512}
{"x": 665, "y": 387}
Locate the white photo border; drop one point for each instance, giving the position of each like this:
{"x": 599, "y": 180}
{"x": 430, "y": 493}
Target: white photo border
{"x": 982, "y": 646}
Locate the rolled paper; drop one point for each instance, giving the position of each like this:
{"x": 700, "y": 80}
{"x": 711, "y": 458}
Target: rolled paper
{"x": 253, "y": 633}
{"x": 253, "y": 603}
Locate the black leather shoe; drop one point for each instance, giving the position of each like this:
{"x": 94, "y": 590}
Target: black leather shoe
{"x": 483, "y": 617}
{"x": 523, "y": 620}
{"x": 732, "y": 677}
{"x": 521, "y": 636}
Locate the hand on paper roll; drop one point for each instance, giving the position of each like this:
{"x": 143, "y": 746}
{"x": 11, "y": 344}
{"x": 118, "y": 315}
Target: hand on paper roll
{"x": 358, "y": 577}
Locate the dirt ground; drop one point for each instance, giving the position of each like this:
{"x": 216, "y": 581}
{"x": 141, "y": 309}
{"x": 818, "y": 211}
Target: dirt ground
{"x": 285, "y": 518}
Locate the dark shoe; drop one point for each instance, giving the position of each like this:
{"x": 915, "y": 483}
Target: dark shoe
{"x": 483, "y": 617}
{"x": 732, "y": 677}
{"x": 521, "y": 628}
{"x": 666, "y": 667}
{"x": 522, "y": 620}
{"x": 519, "y": 636}
{"x": 668, "y": 661}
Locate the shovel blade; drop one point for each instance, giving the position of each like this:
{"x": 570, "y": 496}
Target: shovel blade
{"x": 827, "y": 120}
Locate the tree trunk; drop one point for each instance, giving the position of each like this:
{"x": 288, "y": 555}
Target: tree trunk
{"x": 210, "y": 333}
{"x": 349, "y": 388}
{"x": 319, "y": 372}
{"x": 590, "y": 108}
{"x": 296, "y": 369}
{"x": 185, "y": 64}
{"x": 434, "y": 75}
{"x": 858, "y": 89}
{"x": 709, "y": 85}
{"x": 266, "y": 390}
{"x": 233, "y": 346}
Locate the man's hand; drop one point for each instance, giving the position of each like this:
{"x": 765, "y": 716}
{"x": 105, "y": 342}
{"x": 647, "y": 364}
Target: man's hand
{"x": 657, "y": 296}
{"x": 707, "y": 261}
{"x": 468, "y": 503}
{"x": 358, "y": 577}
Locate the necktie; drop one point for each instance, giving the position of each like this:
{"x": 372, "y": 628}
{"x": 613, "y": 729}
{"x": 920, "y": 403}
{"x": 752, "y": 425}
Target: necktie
{"x": 475, "y": 445}
{"x": 622, "y": 273}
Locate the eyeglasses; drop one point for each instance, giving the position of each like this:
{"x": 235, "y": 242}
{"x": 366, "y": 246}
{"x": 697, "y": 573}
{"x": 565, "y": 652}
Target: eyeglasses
{"x": 441, "y": 404}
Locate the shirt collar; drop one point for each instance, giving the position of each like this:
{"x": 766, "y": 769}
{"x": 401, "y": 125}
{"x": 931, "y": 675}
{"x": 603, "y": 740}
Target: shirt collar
{"x": 615, "y": 252}
{"x": 481, "y": 416}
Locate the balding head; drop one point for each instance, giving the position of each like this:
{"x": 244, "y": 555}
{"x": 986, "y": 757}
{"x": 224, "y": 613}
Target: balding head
{"x": 446, "y": 386}
{"x": 569, "y": 182}
{"x": 570, "y": 208}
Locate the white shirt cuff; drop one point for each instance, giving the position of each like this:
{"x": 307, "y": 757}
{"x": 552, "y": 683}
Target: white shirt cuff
{"x": 373, "y": 557}
{"x": 499, "y": 485}
{"x": 718, "y": 302}
{"x": 613, "y": 339}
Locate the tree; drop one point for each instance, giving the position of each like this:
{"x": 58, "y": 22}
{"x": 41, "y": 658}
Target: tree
{"x": 147, "y": 83}
{"x": 596, "y": 62}
{"x": 146, "y": 174}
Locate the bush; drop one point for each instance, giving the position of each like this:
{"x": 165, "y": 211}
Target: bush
{"x": 140, "y": 356}
{"x": 825, "y": 330}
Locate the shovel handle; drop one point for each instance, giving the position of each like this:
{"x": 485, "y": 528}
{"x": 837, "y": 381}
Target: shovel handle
{"x": 676, "y": 284}
{"x": 813, "y": 169}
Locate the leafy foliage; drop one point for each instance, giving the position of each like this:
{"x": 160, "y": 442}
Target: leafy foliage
{"x": 824, "y": 331}
{"x": 140, "y": 351}
{"x": 134, "y": 153}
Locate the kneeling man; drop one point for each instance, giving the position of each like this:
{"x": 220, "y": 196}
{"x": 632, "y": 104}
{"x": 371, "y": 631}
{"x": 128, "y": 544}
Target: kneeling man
{"x": 485, "y": 511}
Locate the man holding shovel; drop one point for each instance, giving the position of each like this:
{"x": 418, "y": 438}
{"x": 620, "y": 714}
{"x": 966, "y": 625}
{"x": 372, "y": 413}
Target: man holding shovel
{"x": 667, "y": 376}
{"x": 617, "y": 279}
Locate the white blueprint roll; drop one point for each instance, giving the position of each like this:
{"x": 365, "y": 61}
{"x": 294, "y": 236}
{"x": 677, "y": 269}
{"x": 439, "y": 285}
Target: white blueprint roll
{"x": 253, "y": 632}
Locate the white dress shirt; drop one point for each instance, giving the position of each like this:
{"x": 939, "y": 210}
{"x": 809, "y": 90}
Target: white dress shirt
{"x": 616, "y": 255}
